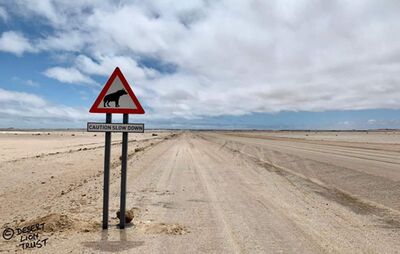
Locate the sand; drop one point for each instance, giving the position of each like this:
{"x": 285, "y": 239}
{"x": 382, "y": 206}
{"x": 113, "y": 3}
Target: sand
{"x": 206, "y": 192}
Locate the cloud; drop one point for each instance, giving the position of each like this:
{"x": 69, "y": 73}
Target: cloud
{"x": 31, "y": 83}
{"x": 69, "y": 75}
{"x": 28, "y": 82}
{"x": 229, "y": 57}
{"x": 38, "y": 8}
{"x": 3, "y": 14}
{"x": 104, "y": 65}
{"x": 21, "y": 98}
{"x": 62, "y": 41}
{"x": 15, "y": 42}
{"x": 29, "y": 110}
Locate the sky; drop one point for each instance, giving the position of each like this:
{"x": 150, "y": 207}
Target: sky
{"x": 283, "y": 64}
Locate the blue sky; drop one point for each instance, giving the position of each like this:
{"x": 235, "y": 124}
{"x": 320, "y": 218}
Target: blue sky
{"x": 220, "y": 64}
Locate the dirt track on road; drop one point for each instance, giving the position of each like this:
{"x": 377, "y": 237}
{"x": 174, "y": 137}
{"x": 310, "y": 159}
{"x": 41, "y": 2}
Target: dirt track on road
{"x": 208, "y": 192}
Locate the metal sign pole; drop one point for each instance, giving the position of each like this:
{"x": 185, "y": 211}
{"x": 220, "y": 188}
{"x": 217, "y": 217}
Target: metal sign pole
{"x": 106, "y": 190}
{"x": 108, "y": 102}
{"x": 123, "y": 174}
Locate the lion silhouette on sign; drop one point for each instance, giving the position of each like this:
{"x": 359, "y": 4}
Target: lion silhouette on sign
{"x": 113, "y": 97}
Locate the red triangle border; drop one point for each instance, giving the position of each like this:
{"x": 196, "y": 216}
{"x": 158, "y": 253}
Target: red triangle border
{"x": 95, "y": 107}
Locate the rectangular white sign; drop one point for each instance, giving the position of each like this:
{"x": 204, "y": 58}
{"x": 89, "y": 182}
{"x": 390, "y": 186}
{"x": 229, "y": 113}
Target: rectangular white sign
{"x": 115, "y": 127}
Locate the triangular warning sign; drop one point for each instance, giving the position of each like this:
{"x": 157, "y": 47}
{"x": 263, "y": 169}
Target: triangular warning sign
{"x": 117, "y": 97}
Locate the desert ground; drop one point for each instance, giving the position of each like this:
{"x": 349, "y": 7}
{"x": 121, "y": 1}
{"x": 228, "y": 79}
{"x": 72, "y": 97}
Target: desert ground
{"x": 204, "y": 192}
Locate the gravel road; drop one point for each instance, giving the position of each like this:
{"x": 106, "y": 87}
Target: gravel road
{"x": 210, "y": 192}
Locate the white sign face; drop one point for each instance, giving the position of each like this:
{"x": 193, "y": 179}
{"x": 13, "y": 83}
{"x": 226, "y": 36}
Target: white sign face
{"x": 117, "y": 97}
{"x": 115, "y": 127}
